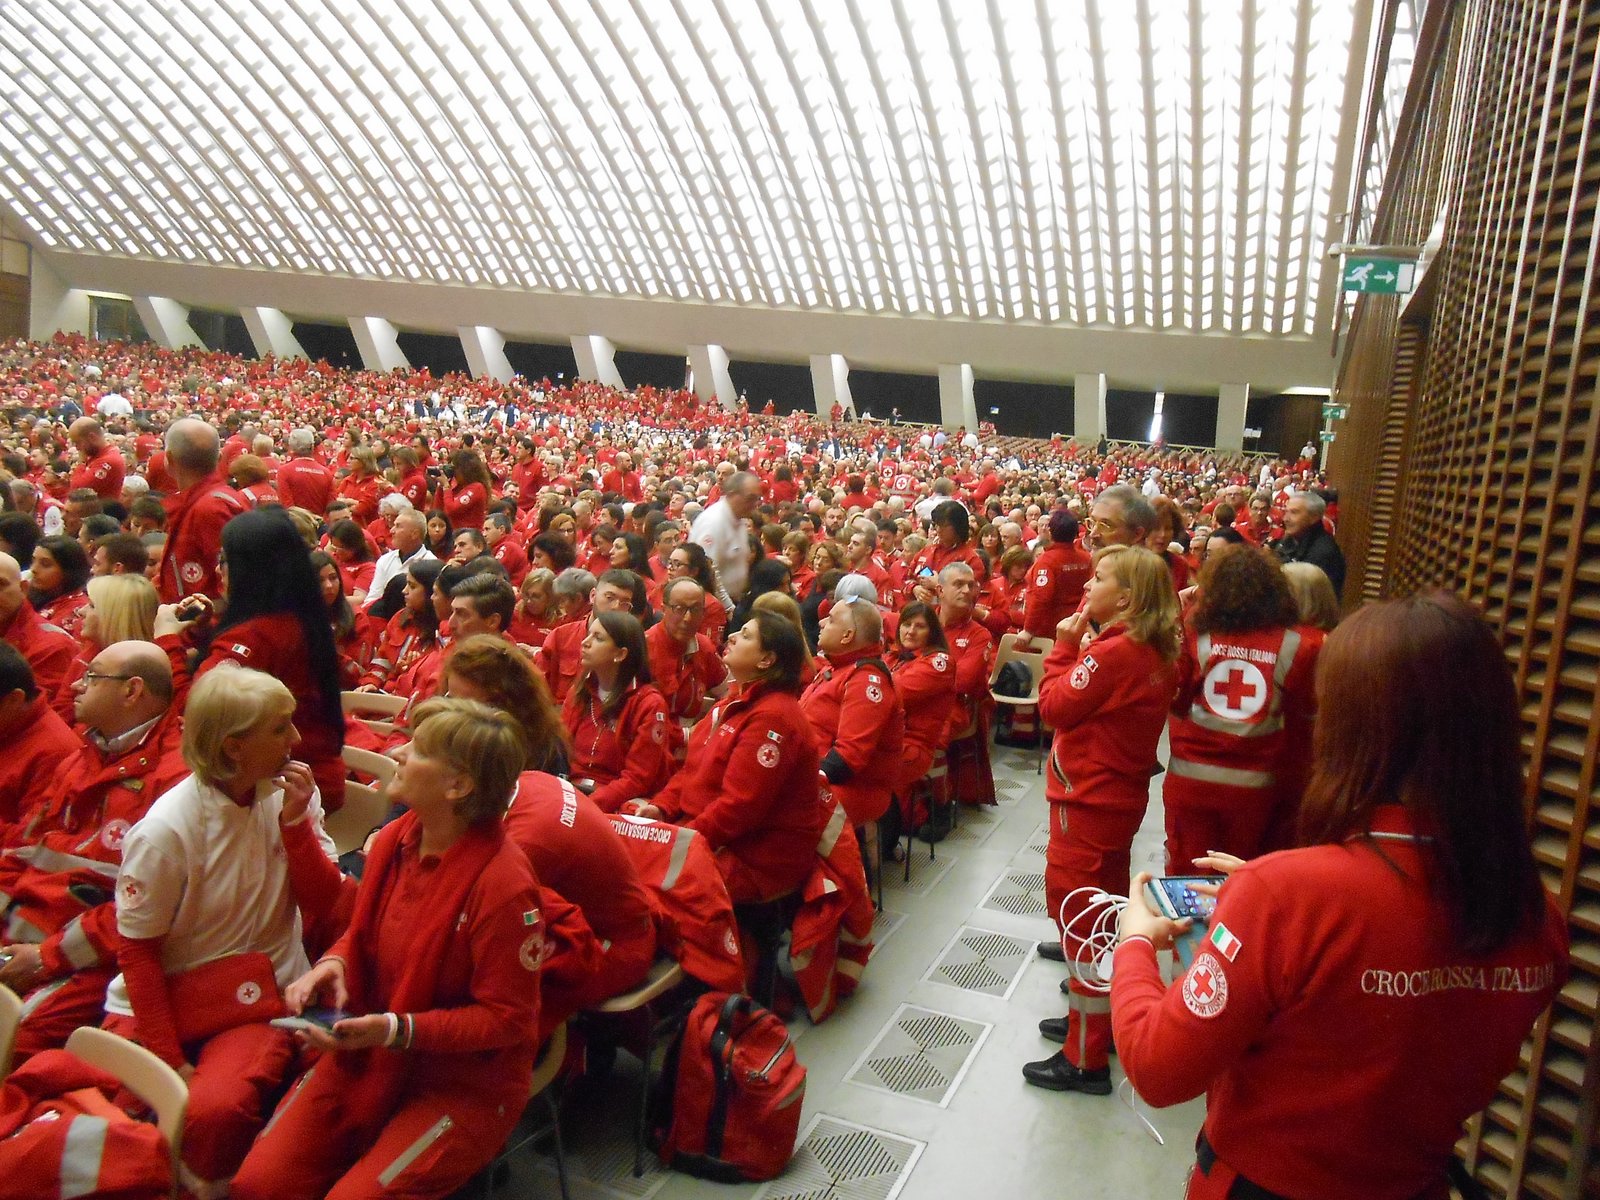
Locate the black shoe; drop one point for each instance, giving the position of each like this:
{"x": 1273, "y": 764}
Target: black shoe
{"x": 1052, "y": 951}
{"x": 1058, "y": 1075}
{"x": 1066, "y": 986}
{"x": 1053, "y": 1029}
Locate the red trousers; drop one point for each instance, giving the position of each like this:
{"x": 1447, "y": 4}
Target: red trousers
{"x": 238, "y": 1074}
{"x": 1202, "y": 817}
{"x": 50, "y": 1013}
{"x": 333, "y": 1137}
{"x": 1090, "y": 846}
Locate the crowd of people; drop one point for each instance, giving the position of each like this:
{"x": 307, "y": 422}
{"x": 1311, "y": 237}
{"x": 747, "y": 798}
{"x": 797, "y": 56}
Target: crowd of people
{"x": 604, "y": 618}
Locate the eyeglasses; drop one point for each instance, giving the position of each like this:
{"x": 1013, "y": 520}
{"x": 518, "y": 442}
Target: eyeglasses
{"x": 1102, "y": 523}
{"x": 685, "y": 610}
{"x": 91, "y": 676}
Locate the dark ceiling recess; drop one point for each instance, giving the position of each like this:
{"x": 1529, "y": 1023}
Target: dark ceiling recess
{"x": 1128, "y": 415}
{"x": 224, "y": 331}
{"x": 658, "y": 370}
{"x": 1026, "y": 409}
{"x": 540, "y": 360}
{"x": 1188, "y": 420}
{"x": 333, "y": 344}
{"x": 881, "y": 392}
{"x": 439, "y": 352}
{"x": 787, "y": 385}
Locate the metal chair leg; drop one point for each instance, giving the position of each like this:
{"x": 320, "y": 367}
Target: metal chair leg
{"x": 644, "y": 1093}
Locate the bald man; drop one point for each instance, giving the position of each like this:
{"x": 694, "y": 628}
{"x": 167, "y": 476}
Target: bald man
{"x": 48, "y": 649}
{"x": 196, "y": 513}
{"x": 59, "y": 873}
{"x": 100, "y": 466}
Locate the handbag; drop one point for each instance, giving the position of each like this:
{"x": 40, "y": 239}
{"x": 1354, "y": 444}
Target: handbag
{"x": 223, "y": 994}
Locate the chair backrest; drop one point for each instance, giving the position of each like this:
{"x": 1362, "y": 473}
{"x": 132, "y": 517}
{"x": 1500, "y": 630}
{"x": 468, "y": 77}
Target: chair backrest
{"x": 364, "y": 809}
{"x": 368, "y": 762}
{"x": 373, "y": 709}
{"x": 10, "y": 1018}
{"x": 143, "y": 1074}
{"x": 551, "y": 1058}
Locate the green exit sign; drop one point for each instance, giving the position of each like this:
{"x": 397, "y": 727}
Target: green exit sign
{"x": 1373, "y": 273}
{"x": 1335, "y": 412}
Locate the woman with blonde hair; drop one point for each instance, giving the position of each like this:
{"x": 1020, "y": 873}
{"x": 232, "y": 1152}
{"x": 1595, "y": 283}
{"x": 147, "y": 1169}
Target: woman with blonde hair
{"x": 1106, "y": 689}
{"x": 787, "y": 607}
{"x": 1313, "y": 595}
{"x": 215, "y": 883}
{"x": 121, "y": 608}
{"x": 435, "y": 986}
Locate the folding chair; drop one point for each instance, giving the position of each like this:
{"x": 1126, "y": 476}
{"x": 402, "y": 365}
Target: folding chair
{"x": 143, "y": 1074}
{"x": 365, "y": 806}
{"x": 1030, "y": 652}
{"x": 375, "y": 710}
{"x": 10, "y": 1018}
{"x": 545, "y": 1072}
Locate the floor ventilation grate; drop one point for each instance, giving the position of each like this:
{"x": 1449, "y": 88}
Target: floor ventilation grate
{"x": 978, "y": 960}
{"x": 1019, "y": 892}
{"x": 925, "y": 875}
{"x": 840, "y": 1161}
{"x": 921, "y": 1054}
{"x": 975, "y": 827}
{"x": 883, "y": 925}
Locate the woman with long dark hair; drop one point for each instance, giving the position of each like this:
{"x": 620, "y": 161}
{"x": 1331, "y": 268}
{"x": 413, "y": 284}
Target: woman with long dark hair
{"x": 623, "y": 736}
{"x": 348, "y": 546}
{"x": 689, "y": 560}
{"x": 1241, "y": 721}
{"x": 767, "y": 575}
{"x": 466, "y": 500}
{"x": 59, "y": 577}
{"x": 439, "y": 538}
{"x": 352, "y": 647}
{"x": 410, "y": 633}
{"x": 1358, "y": 999}
{"x": 274, "y": 620}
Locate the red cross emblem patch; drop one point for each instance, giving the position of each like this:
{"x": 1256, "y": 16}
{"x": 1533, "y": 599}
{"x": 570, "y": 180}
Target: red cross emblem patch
{"x": 1205, "y": 987}
{"x": 1235, "y": 689}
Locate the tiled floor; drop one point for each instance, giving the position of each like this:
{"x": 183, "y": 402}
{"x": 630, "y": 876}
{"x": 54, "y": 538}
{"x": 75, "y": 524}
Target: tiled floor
{"x": 914, "y": 1086}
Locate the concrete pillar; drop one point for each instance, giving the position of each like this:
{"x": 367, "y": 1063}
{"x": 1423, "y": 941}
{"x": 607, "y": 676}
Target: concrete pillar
{"x": 711, "y": 379}
{"x": 1088, "y": 408}
{"x": 597, "y": 359}
{"x": 1232, "y": 399}
{"x": 167, "y": 322}
{"x": 53, "y": 306}
{"x": 272, "y": 332}
{"x": 486, "y": 352}
{"x": 830, "y": 382}
{"x": 378, "y": 342}
{"x": 956, "y": 405}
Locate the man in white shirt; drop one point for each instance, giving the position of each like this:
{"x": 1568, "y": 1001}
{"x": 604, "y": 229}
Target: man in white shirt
{"x": 720, "y": 531}
{"x": 114, "y": 404}
{"x": 406, "y": 535}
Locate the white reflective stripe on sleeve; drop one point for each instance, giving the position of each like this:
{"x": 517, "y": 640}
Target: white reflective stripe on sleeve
{"x": 830, "y": 835}
{"x": 81, "y": 1154}
{"x": 45, "y": 859}
{"x": 415, "y": 1151}
{"x": 679, "y": 856}
{"x": 36, "y": 1000}
{"x": 76, "y": 947}
{"x": 1210, "y": 773}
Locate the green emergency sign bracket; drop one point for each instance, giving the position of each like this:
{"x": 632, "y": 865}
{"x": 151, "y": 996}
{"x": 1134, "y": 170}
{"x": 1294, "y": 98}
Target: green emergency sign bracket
{"x": 1377, "y": 275}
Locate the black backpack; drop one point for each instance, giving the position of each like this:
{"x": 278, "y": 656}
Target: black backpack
{"x": 1014, "y": 679}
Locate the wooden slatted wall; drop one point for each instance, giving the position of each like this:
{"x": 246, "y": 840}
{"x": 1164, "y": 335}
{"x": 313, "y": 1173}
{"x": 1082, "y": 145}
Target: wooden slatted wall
{"x": 1470, "y": 460}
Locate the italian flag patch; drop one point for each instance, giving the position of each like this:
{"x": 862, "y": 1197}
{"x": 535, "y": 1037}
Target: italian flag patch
{"x": 1227, "y": 945}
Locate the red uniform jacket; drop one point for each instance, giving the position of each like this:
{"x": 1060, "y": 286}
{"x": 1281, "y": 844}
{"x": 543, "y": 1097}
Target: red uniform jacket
{"x": 683, "y": 676}
{"x": 306, "y": 483}
{"x": 510, "y": 555}
{"x": 1005, "y": 606}
{"x": 859, "y": 728}
{"x": 414, "y": 487}
{"x": 66, "y": 613}
{"x": 48, "y": 649}
{"x": 1055, "y": 588}
{"x": 695, "y": 914}
{"x": 934, "y": 558}
{"x": 831, "y": 938}
{"x": 102, "y": 474}
{"x": 398, "y": 649}
{"x": 526, "y": 631}
{"x": 576, "y": 851}
{"x": 465, "y": 507}
{"x": 629, "y": 754}
{"x": 528, "y": 475}
{"x": 561, "y": 657}
{"x": 1339, "y": 1033}
{"x": 1239, "y": 695}
{"x": 33, "y": 756}
{"x": 364, "y": 491}
{"x": 927, "y": 687}
{"x": 750, "y": 787}
{"x": 195, "y": 517}
{"x": 1107, "y": 707}
{"x": 972, "y": 651}
{"x": 74, "y": 841}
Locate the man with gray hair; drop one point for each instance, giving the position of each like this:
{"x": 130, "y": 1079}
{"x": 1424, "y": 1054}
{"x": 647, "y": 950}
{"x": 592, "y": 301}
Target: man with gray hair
{"x": 720, "y": 531}
{"x": 560, "y": 658}
{"x": 406, "y": 535}
{"x": 1120, "y": 517}
{"x": 855, "y": 713}
{"x": 1306, "y": 539}
{"x": 303, "y": 482}
{"x": 203, "y": 504}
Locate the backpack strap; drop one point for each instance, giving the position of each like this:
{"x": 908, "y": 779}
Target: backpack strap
{"x": 722, "y": 1069}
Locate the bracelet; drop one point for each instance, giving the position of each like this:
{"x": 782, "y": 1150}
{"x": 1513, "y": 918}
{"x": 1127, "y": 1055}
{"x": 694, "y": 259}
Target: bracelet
{"x": 394, "y": 1028}
{"x": 1136, "y": 937}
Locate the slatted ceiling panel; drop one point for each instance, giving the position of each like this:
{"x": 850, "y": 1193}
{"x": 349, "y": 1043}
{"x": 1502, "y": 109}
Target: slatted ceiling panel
{"x": 1499, "y": 495}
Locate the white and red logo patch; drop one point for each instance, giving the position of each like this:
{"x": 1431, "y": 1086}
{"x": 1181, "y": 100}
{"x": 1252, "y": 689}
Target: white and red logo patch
{"x": 1205, "y": 987}
{"x": 248, "y": 992}
{"x": 130, "y": 893}
{"x": 941, "y": 661}
{"x": 874, "y": 693}
{"x": 1235, "y": 689}
{"x": 192, "y": 572}
{"x": 658, "y": 734}
{"x": 113, "y": 832}
{"x": 730, "y": 942}
{"x": 1042, "y": 579}
{"x": 531, "y": 953}
{"x": 1081, "y": 674}
{"x": 767, "y": 755}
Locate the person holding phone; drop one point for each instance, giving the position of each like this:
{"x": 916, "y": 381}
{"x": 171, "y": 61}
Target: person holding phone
{"x": 1359, "y": 998}
{"x": 419, "y": 1089}
{"x": 1106, "y": 696}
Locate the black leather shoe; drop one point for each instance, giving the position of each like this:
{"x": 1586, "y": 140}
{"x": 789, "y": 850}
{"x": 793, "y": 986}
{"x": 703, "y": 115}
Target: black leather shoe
{"x": 1053, "y": 1029}
{"x": 1058, "y": 1075}
{"x": 1066, "y": 986}
{"x": 1052, "y": 951}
